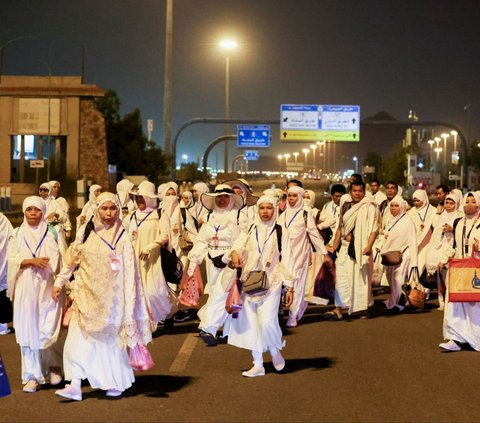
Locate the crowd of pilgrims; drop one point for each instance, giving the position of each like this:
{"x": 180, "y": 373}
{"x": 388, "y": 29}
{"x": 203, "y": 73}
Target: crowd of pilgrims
{"x": 108, "y": 271}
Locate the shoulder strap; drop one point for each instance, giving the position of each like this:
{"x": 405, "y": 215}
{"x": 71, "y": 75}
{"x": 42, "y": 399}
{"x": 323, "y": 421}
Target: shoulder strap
{"x": 183, "y": 212}
{"x": 159, "y": 212}
{"x": 278, "y": 229}
{"x": 455, "y": 223}
{"x": 305, "y": 216}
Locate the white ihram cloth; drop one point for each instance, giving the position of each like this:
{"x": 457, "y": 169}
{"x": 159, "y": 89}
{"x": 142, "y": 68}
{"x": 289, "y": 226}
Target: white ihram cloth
{"x": 461, "y": 321}
{"x": 296, "y": 248}
{"x": 399, "y": 235}
{"x": 109, "y": 308}
{"x": 352, "y": 288}
{"x": 147, "y": 232}
{"x": 223, "y": 223}
{"x": 171, "y": 207}
{"x": 257, "y": 327}
{"x": 424, "y": 218}
{"x": 36, "y": 317}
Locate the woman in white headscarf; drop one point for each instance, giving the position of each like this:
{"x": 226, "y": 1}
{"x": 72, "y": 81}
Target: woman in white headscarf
{"x": 249, "y": 209}
{"x": 198, "y": 211}
{"x": 171, "y": 207}
{"x": 88, "y": 209}
{"x": 298, "y": 231}
{"x": 399, "y": 235}
{"x": 461, "y": 322}
{"x": 215, "y": 238}
{"x": 33, "y": 260}
{"x": 149, "y": 233}
{"x": 123, "y": 194}
{"x": 442, "y": 240}
{"x": 257, "y": 327}
{"x": 423, "y": 215}
{"x": 54, "y": 215}
{"x": 109, "y": 308}
{"x": 65, "y": 224}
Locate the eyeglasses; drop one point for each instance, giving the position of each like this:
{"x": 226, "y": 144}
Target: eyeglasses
{"x": 43, "y": 189}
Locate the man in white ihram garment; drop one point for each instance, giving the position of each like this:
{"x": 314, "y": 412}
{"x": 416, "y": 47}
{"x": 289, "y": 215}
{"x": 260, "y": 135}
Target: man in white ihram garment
{"x": 215, "y": 238}
{"x": 359, "y": 225}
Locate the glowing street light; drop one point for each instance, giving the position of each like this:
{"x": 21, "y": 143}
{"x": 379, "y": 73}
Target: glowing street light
{"x": 445, "y": 136}
{"x": 287, "y": 156}
{"x": 295, "y": 155}
{"x": 306, "y": 151}
{"x": 454, "y": 133}
{"x": 431, "y": 142}
{"x": 280, "y": 157}
{"x": 355, "y": 159}
{"x": 227, "y": 45}
{"x": 438, "y": 150}
{"x": 313, "y": 147}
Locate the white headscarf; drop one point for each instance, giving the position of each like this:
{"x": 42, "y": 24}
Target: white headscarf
{"x": 53, "y": 183}
{"x": 189, "y": 204}
{"x": 309, "y": 202}
{"x": 112, "y": 231}
{"x": 299, "y": 204}
{"x": 33, "y": 235}
{"x": 91, "y": 194}
{"x": 49, "y": 187}
{"x": 169, "y": 202}
{"x": 398, "y": 199}
{"x": 271, "y": 200}
{"x": 123, "y": 189}
{"x": 200, "y": 187}
{"x": 421, "y": 194}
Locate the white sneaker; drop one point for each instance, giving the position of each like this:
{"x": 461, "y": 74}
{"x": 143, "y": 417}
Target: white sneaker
{"x": 254, "y": 372}
{"x": 70, "y": 392}
{"x": 427, "y": 293}
{"x": 450, "y": 346}
{"x": 31, "y": 386}
{"x": 113, "y": 393}
{"x": 278, "y": 362}
{"x": 291, "y": 322}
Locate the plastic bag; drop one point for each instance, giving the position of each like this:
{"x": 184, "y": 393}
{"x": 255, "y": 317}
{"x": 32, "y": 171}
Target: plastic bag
{"x": 140, "y": 358}
{"x": 234, "y": 301}
{"x": 4, "y": 383}
{"x": 191, "y": 288}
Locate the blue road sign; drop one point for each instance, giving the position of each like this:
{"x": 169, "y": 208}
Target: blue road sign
{"x": 251, "y": 155}
{"x": 257, "y": 136}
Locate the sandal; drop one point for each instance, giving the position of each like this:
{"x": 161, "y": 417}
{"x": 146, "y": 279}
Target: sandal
{"x": 332, "y": 316}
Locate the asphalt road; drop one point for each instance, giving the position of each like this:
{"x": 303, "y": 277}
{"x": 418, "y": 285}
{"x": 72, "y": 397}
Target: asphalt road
{"x": 384, "y": 369}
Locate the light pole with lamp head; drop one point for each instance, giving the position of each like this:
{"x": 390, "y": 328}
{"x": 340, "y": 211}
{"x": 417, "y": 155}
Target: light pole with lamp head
{"x": 295, "y": 155}
{"x": 287, "y": 156}
{"x": 306, "y": 151}
{"x": 355, "y": 159}
{"x": 227, "y": 45}
{"x": 445, "y": 136}
{"x": 313, "y": 147}
{"x": 280, "y": 157}
{"x": 431, "y": 142}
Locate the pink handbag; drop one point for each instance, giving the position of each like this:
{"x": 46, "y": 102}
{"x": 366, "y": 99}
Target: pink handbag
{"x": 192, "y": 288}
{"x": 140, "y": 358}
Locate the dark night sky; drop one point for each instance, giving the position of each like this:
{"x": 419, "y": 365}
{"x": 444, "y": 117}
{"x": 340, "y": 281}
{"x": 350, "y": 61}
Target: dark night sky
{"x": 383, "y": 55}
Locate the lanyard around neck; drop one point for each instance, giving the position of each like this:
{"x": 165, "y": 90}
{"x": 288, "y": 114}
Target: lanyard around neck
{"x": 143, "y": 220}
{"x": 34, "y": 254}
{"x": 260, "y": 250}
{"x": 114, "y": 246}
{"x": 291, "y": 220}
{"x": 398, "y": 220}
{"x": 425, "y": 215}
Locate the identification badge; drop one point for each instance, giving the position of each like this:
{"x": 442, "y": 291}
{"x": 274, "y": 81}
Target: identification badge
{"x": 134, "y": 235}
{"x": 115, "y": 263}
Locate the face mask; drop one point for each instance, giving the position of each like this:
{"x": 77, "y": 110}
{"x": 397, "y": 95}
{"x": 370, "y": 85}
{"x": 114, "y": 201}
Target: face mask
{"x": 307, "y": 202}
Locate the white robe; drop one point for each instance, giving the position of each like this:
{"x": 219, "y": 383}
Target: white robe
{"x": 213, "y": 314}
{"x": 424, "y": 220}
{"x": 257, "y": 327}
{"x": 399, "y": 236}
{"x": 461, "y": 321}
{"x": 147, "y": 231}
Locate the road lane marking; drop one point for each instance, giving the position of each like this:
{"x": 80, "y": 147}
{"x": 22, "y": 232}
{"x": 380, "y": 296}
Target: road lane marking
{"x": 184, "y": 353}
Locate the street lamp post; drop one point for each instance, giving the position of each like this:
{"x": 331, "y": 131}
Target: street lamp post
{"x": 295, "y": 155}
{"x": 438, "y": 150}
{"x": 355, "y": 159}
{"x": 305, "y": 151}
{"x": 445, "y": 136}
{"x": 287, "y": 156}
{"x": 227, "y": 45}
{"x": 313, "y": 147}
{"x": 280, "y": 157}
{"x": 431, "y": 142}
